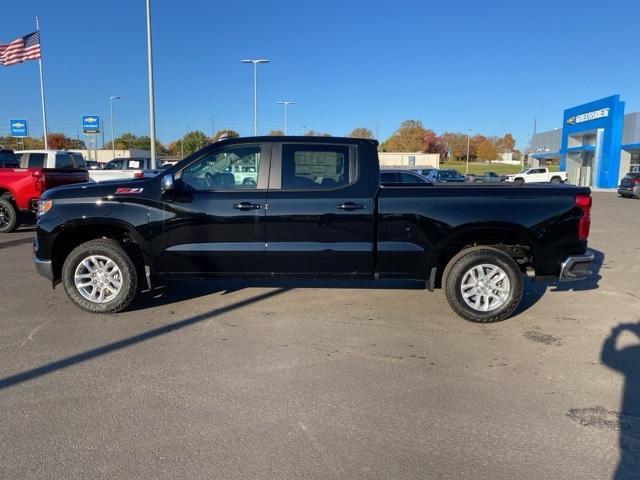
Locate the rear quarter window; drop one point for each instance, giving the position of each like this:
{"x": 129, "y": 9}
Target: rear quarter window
{"x": 64, "y": 160}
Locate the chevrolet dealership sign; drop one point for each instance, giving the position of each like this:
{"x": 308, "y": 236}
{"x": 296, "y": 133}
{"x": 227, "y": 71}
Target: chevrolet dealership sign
{"x": 585, "y": 117}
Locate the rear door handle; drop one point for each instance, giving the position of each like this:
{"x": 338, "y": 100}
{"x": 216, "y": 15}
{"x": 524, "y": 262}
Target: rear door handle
{"x": 351, "y": 206}
{"x": 246, "y": 206}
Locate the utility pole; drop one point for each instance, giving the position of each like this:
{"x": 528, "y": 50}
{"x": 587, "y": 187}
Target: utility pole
{"x": 468, "y": 140}
{"x": 152, "y": 108}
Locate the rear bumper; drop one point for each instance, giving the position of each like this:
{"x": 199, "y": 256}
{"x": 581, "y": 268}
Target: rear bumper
{"x": 576, "y": 267}
{"x": 633, "y": 191}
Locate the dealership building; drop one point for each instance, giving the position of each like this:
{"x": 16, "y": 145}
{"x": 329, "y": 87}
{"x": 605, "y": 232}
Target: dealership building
{"x": 597, "y": 144}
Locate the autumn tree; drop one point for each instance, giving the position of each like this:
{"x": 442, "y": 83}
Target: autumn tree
{"x": 486, "y": 149}
{"x": 360, "y": 132}
{"x": 508, "y": 142}
{"x": 456, "y": 144}
{"x": 408, "y": 138}
{"x": 226, "y": 133}
{"x": 59, "y": 141}
{"x": 276, "y": 133}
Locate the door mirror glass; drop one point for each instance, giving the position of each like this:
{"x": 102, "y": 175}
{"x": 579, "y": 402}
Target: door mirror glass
{"x": 168, "y": 183}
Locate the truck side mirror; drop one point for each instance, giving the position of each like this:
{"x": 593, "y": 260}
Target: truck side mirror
{"x": 168, "y": 183}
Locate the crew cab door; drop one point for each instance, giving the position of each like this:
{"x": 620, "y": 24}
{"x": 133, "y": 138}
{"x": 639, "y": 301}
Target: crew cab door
{"x": 213, "y": 220}
{"x": 538, "y": 175}
{"x": 320, "y": 212}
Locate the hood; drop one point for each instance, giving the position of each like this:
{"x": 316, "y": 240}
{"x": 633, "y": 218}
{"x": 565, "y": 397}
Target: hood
{"x": 102, "y": 189}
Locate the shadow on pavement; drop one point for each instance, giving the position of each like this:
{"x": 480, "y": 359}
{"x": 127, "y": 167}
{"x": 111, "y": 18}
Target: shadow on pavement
{"x": 627, "y": 362}
{"x": 33, "y": 373}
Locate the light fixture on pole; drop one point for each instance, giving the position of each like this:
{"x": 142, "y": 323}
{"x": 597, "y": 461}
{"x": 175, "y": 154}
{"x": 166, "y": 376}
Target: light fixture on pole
{"x": 285, "y": 103}
{"x": 468, "y": 134}
{"x": 152, "y": 107}
{"x": 113, "y": 143}
{"x": 255, "y": 63}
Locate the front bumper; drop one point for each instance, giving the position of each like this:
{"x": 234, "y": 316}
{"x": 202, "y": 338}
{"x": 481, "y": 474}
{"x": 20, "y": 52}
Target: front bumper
{"x": 43, "y": 267}
{"x": 576, "y": 267}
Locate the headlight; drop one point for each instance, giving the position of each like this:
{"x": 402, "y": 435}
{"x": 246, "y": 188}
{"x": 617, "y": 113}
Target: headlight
{"x": 44, "y": 206}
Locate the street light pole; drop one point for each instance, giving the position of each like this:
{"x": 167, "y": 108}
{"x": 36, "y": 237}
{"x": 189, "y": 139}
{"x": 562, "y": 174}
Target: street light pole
{"x": 285, "y": 103}
{"x": 152, "y": 106}
{"x": 255, "y": 63}
{"x": 113, "y": 144}
{"x": 468, "y": 133}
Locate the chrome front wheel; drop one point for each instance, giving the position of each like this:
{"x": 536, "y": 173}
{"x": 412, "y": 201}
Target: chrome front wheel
{"x": 98, "y": 279}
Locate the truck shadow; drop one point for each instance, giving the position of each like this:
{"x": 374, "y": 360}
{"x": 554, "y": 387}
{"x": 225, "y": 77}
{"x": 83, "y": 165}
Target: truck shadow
{"x": 626, "y": 361}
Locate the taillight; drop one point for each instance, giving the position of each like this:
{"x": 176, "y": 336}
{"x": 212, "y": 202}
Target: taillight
{"x": 635, "y": 181}
{"x": 138, "y": 175}
{"x": 39, "y": 177}
{"x": 583, "y": 202}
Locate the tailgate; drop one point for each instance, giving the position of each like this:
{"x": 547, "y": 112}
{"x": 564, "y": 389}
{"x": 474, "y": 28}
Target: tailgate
{"x": 56, "y": 177}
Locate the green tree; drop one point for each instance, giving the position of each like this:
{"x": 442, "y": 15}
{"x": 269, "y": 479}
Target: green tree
{"x": 228, "y": 133}
{"x": 276, "y": 133}
{"x": 194, "y": 141}
{"x": 408, "y": 138}
{"x": 360, "y": 132}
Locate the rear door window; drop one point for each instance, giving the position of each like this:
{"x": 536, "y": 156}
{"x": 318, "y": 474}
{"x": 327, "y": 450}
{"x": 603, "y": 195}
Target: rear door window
{"x": 64, "y": 160}
{"x": 316, "y": 167}
{"x": 8, "y": 160}
{"x": 389, "y": 177}
{"x": 78, "y": 160}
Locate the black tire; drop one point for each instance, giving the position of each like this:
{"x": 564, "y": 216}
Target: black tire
{"x": 518, "y": 181}
{"x": 556, "y": 180}
{"x": 9, "y": 220}
{"x": 462, "y": 263}
{"x": 112, "y": 250}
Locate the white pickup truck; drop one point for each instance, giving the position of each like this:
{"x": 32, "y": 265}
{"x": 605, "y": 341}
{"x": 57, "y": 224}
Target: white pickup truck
{"x": 50, "y": 159}
{"x": 122, "y": 168}
{"x": 537, "y": 175}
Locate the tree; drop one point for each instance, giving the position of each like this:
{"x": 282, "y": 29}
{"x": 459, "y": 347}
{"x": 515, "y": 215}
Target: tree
{"x": 360, "y": 132}
{"x": 227, "y": 133}
{"x": 507, "y": 143}
{"x": 456, "y": 144}
{"x": 313, "y": 133}
{"x": 194, "y": 141}
{"x": 276, "y": 133}
{"x": 408, "y": 138}
{"x": 59, "y": 141}
{"x": 487, "y": 149}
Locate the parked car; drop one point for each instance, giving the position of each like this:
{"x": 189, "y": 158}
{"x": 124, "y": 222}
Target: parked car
{"x": 22, "y": 185}
{"x": 93, "y": 165}
{"x": 445, "y": 176}
{"x": 51, "y": 159}
{"x": 400, "y": 176}
{"x": 123, "y": 168}
{"x": 535, "y": 175}
{"x": 423, "y": 171}
{"x": 486, "y": 177}
{"x": 630, "y": 185}
{"x": 317, "y": 210}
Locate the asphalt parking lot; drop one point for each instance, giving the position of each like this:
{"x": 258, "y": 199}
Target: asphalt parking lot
{"x": 257, "y": 380}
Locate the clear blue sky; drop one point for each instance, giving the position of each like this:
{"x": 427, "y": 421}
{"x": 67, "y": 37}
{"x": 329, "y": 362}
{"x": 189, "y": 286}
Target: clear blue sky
{"x": 491, "y": 66}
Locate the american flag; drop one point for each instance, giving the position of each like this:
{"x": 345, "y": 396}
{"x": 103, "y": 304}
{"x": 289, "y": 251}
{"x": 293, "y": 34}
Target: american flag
{"x": 21, "y": 49}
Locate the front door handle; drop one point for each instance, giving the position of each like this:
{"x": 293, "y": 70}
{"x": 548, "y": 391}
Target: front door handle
{"x": 247, "y": 206}
{"x": 351, "y": 206}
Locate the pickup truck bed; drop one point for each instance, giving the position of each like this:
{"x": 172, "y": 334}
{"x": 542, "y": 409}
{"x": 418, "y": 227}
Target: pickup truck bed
{"x": 317, "y": 210}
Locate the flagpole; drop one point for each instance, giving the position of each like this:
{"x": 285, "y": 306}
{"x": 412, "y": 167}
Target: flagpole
{"x": 44, "y": 110}
{"x": 152, "y": 113}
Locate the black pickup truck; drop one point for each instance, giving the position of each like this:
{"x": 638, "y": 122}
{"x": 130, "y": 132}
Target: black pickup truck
{"x": 315, "y": 208}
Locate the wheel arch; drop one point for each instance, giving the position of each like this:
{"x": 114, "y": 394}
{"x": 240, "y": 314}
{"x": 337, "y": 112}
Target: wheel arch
{"x": 77, "y": 233}
{"x": 512, "y": 239}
